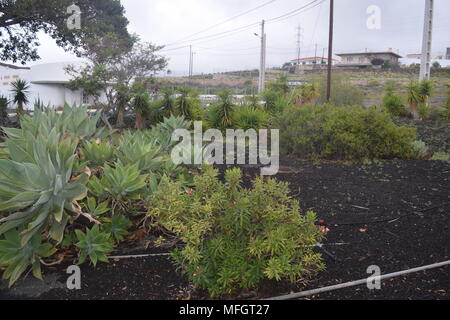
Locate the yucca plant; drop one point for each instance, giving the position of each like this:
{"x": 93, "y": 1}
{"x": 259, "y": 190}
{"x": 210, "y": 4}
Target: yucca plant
{"x": 3, "y": 107}
{"x": 140, "y": 101}
{"x": 16, "y": 257}
{"x": 413, "y": 98}
{"x": 20, "y": 91}
{"x": 425, "y": 90}
{"x": 222, "y": 116}
{"x": 187, "y": 104}
{"x": 94, "y": 244}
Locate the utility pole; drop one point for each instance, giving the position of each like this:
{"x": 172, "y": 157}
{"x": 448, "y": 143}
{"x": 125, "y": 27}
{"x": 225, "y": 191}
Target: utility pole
{"x": 425, "y": 65}
{"x": 262, "y": 69}
{"x": 190, "y": 61}
{"x": 330, "y": 50}
{"x": 299, "y": 41}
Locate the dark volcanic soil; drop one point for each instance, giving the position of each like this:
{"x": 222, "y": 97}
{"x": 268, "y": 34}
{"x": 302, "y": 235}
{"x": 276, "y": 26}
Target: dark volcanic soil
{"x": 395, "y": 215}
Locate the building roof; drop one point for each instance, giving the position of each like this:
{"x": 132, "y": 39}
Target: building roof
{"x": 369, "y": 53}
{"x": 312, "y": 58}
{"x": 12, "y": 66}
{"x": 51, "y": 73}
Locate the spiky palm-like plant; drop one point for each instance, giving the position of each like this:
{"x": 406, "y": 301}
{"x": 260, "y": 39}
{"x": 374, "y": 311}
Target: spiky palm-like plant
{"x": 20, "y": 94}
{"x": 413, "y": 98}
{"x": 122, "y": 99}
{"x": 140, "y": 103}
{"x": 425, "y": 91}
{"x": 223, "y": 112}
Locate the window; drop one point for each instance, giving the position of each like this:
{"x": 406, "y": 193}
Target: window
{"x": 85, "y": 99}
{"x": 350, "y": 59}
{"x": 361, "y": 59}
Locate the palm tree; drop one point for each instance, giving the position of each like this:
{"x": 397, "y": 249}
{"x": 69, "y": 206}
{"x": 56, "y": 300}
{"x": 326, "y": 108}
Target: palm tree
{"x": 140, "y": 101}
{"x": 122, "y": 99}
{"x": 20, "y": 94}
{"x": 307, "y": 93}
{"x": 253, "y": 101}
{"x": 223, "y": 112}
{"x": 413, "y": 98}
{"x": 167, "y": 103}
{"x": 187, "y": 104}
{"x": 3, "y": 107}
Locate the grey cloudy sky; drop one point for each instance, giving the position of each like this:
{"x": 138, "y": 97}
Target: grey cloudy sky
{"x": 169, "y": 21}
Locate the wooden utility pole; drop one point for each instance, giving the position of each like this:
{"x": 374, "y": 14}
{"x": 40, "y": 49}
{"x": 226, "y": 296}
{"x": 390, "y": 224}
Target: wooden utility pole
{"x": 330, "y": 50}
{"x": 425, "y": 65}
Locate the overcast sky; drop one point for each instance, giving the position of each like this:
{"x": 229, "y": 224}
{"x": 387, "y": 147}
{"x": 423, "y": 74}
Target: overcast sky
{"x": 170, "y": 22}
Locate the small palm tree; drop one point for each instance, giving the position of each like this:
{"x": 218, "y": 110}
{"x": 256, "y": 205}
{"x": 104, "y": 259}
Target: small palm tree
{"x": 414, "y": 98}
{"x": 3, "y": 107}
{"x": 140, "y": 101}
{"x": 425, "y": 90}
{"x": 253, "y": 101}
{"x": 20, "y": 94}
{"x": 167, "y": 104}
{"x": 224, "y": 111}
{"x": 187, "y": 104}
{"x": 122, "y": 99}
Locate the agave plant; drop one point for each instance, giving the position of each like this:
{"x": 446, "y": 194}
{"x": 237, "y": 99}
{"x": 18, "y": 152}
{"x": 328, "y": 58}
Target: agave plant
{"x": 94, "y": 245}
{"x": 98, "y": 152}
{"x": 36, "y": 186}
{"x": 162, "y": 133}
{"x": 121, "y": 183}
{"x": 223, "y": 112}
{"x": 141, "y": 149}
{"x": 16, "y": 257}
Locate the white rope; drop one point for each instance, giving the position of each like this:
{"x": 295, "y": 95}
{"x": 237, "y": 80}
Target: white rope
{"x": 140, "y": 256}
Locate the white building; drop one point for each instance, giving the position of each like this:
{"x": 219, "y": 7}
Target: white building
{"x": 47, "y": 84}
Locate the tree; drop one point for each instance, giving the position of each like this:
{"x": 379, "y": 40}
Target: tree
{"x": 3, "y": 107}
{"x": 308, "y": 93}
{"x": 20, "y": 94}
{"x": 21, "y": 20}
{"x": 413, "y": 98}
{"x": 113, "y": 68}
{"x": 436, "y": 65}
{"x": 188, "y": 104}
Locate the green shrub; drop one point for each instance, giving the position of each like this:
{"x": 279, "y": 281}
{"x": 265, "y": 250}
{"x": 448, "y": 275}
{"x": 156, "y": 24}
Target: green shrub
{"x": 3, "y": 107}
{"x": 331, "y": 132}
{"x": 419, "y": 150}
{"x": 343, "y": 93}
{"x": 250, "y": 118}
{"x": 235, "y": 237}
{"x": 424, "y": 111}
{"x": 393, "y": 104}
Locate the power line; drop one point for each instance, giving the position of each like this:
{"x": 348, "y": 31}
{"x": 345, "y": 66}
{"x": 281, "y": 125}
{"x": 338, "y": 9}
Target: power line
{"x": 225, "y": 21}
{"x": 296, "y": 12}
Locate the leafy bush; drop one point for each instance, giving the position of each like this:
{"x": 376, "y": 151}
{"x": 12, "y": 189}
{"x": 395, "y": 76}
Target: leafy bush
{"x": 393, "y": 103}
{"x": 94, "y": 245}
{"x": 343, "y": 93}
{"x": 250, "y": 118}
{"x": 3, "y": 107}
{"x": 331, "y": 132}
{"x": 419, "y": 150}
{"x": 118, "y": 227}
{"x": 235, "y": 237}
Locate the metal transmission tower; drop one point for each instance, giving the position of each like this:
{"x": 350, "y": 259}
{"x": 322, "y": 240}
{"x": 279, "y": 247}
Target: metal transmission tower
{"x": 262, "y": 69}
{"x": 425, "y": 65}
